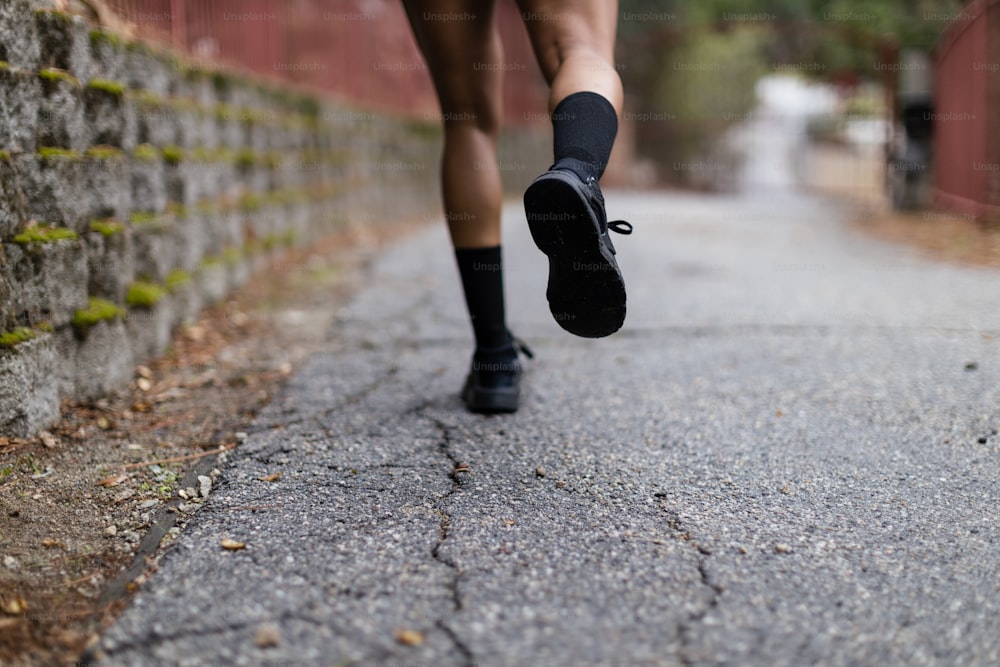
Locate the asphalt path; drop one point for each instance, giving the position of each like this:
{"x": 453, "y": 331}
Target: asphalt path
{"x": 788, "y": 456}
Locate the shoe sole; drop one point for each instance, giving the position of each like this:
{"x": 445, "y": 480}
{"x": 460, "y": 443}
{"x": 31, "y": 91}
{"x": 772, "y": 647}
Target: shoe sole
{"x": 489, "y": 401}
{"x": 586, "y": 291}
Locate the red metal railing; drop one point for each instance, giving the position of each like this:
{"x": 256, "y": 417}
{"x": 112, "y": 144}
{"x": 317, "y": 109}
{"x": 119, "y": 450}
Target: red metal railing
{"x": 358, "y": 50}
{"x": 967, "y": 112}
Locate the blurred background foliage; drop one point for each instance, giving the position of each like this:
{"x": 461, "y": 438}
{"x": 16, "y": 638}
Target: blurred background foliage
{"x": 690, "y": 68}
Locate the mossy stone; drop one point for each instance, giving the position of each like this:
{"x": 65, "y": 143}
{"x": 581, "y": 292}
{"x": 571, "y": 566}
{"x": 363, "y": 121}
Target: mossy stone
{"x": 11, "y": 339}
{"x": 143, "y": 294}
{"x": 97, "y": 310}
{"x": 40, "y": 234}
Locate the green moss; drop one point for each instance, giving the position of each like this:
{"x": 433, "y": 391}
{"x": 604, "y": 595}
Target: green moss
{"x": 102, "y": 37}
{"x": 109, "y": 87}
{"x": 232, "y": 256}
{"x": 210, "y": 261}
{"x": 4, "y": 64}
{"x": 221, "y": 81}
{"x": 176, "y": 278}
{"x": 14, "y": 338}
{"x": 104, "y": 153}
{"x": 308, "y": 106}
{"x": 224, "y": 112}
{"x": 52, "y": 153}
{"x": 202, "y": 154}
{"x": 45, "y": 327}
{"x": 106, "y": 227}
{"x": 38, "y": 234}
{"x": 143, "y": 217}
{"x": 137, "y": 46}
{"x": 143, "y": 294}
{"x": 4, "y": 156}
{"x": 246, "y": 157}
{"x": 55, "y": 14}
{"x": 177, "y": 210}
{"x": 173, "y": 154}
{"x": 148, "y": 98}
{"x": 221, "y": 155}
{"x": 97, "y": 310}
{"x": 54, "y": 75}
{"x": 146, "y": 153}
{"x": 251, "y": 202}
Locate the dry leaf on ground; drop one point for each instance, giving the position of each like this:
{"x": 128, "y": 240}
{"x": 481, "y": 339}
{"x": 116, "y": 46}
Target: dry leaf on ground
{"x": 113, "y": 480}
{"x": 232, "y": 545}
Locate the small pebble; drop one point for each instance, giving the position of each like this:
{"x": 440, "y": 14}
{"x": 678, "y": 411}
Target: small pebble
{"x": 782, "y": 548}
{"x": 540, "y": 471}
{"x": 206, "y": 485}
{"x": 111, "y": 530}
{"x": 268, "y": 635}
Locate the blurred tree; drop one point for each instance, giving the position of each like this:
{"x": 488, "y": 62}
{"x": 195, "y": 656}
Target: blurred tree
{"x": 690, "y": 67}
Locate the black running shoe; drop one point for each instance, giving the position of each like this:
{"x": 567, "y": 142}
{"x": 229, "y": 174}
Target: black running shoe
{"x": 494, "y": 381}
{"x": 568, "y": 223}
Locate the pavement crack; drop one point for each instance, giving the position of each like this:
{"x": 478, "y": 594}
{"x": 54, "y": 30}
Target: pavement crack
{"x": 444, "y": 531}
{"x": 686, "y": 626}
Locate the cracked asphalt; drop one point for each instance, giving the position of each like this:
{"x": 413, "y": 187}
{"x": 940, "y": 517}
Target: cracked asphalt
{"x": 788, "y": 456}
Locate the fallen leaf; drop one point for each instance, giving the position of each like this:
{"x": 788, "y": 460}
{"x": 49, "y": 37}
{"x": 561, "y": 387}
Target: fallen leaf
{"x": 104, "y": 424}
{"x": 143, "y": 372}
{"x": 15, "y": 606}
{"x": 113, "y": 480}
{"x": 49, "y": 542}
{"x": 195, "y": 333}
{"x": 232, "y": 545}
{"x": 49, "y": 440}
{"x": 410, "y": 637}
{"x": 274, "y": 477}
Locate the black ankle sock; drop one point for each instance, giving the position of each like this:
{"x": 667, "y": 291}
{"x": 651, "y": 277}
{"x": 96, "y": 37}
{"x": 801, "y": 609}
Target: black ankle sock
{"x": 481, "y": 270}
{"x": 584, "y": 125}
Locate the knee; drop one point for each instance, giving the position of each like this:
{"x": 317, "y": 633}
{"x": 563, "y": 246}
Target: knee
{"x": 482, "y": 115}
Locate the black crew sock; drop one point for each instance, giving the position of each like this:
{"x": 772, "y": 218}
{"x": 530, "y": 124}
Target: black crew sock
{"x": 585, "y": 125}
{"x": 481, "y": 270}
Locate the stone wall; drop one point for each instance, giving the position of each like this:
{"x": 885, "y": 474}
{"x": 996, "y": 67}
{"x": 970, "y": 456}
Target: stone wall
{"x": 136, "y": 187}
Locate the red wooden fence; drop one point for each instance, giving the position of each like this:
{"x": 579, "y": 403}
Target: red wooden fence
{"x": 358, "y": 50}
{"x": 967, "y": 112}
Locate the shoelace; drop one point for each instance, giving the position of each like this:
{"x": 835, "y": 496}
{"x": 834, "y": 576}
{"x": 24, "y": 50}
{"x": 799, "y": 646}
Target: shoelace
{"x": 522, "y": 347}
{"x": 621, "y": 227}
